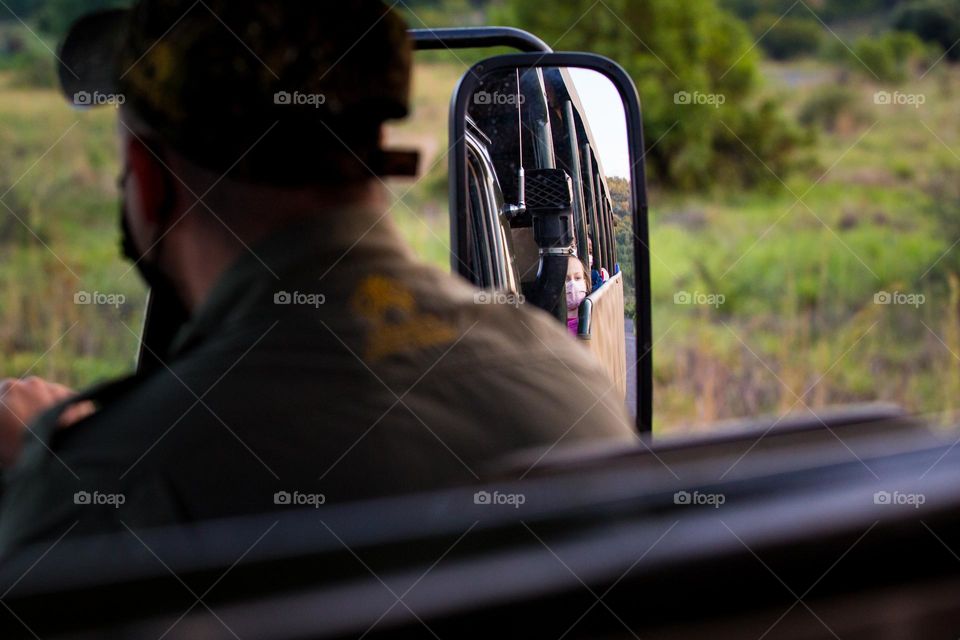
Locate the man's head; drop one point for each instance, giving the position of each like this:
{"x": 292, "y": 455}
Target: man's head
{"x": 256, "y": 108}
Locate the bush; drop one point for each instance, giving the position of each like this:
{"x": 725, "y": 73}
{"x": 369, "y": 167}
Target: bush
{"x": 671, "y": 47}
{"x": 789, "y": 38}
{"x": 31, "y": 64}
{"x": 828, "y": 10}
{"x": 34, "y": 69}
{"x": 875, "y": 59}
{"x": 55, "y": 16}
{"x": 768, "y": 133}
{"x": 936, "y": 21}
{"x": 833, "y": 107}
{"x": 889, "y": 57}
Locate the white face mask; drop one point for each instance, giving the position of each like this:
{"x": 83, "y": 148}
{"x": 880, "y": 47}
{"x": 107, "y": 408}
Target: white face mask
{"x": 576, "y": 293}
{"x": 591, "y": 260}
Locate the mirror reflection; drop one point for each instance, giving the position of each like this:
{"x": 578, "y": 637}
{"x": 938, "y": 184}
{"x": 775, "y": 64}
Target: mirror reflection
{"x": 550, "y": 217}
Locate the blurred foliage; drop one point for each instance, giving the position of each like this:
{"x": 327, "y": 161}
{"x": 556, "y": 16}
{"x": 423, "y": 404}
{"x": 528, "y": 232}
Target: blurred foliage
{"x": 891, "y": 57}
{"x": 827, "y": 10}
{"x": 943, "y": 204}
{"x": 672, "y": 47}
{"x": 440, "y": 13}
{"x": 59, "y": 237}
{"x": 53, "y": 17}
{"x": 834, "y": 107}
{"x": 28, "y": 58}
{"x": 936, "y": 21}
{"x": 789, "y": 37}
{"x": 621, "y": 197}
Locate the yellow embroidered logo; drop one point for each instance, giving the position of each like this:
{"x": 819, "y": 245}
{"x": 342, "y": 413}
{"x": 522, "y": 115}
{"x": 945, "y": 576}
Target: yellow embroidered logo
{"x": 395, "y": 323}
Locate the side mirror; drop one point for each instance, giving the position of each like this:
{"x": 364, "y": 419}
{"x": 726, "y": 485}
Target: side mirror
{"x": 547, "y": 169}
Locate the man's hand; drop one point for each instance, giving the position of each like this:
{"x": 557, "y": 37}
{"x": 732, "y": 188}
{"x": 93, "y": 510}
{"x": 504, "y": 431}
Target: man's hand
{"x": 21, "y": 401}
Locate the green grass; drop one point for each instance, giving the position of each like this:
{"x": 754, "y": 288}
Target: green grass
{"x": 800, "y": 279}
{"x": 58, "y": 174}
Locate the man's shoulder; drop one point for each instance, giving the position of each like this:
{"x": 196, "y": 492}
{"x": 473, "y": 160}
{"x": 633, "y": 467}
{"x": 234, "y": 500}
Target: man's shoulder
{"x": 506, "y": 353}
{"x": 501, "y": 326}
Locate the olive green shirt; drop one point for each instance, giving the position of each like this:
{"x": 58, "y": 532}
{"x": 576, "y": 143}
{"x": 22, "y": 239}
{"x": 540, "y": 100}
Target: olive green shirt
{"x": 326, "y": 365}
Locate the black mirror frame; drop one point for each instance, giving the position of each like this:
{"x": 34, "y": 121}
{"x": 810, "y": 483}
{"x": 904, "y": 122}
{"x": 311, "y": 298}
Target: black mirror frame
{"x": 468, "y": 84}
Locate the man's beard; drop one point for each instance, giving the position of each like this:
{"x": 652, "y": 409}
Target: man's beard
{"x": 150, "y": 272}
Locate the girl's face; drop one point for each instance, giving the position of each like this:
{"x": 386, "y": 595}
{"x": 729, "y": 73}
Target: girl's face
{"x": 575, "y": 270}
{"x": 576, "y": 288}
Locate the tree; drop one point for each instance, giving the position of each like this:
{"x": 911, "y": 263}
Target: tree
{"x": 935, "y": 21}
{"x": 785, "y": 38}
{"x": 696, "y": 72}
{"x": 53, "y": 17}
{"x": 891, "y": 56}
{"x": 827, "y": 10}
{"x": 56, "y": 16}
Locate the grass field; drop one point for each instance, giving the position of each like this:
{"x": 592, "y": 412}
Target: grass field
{"x": 58, "y": 231}
{"x": 798, "y": 264}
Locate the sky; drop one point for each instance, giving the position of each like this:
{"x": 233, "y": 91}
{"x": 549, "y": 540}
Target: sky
{"x": 604, "y": 108}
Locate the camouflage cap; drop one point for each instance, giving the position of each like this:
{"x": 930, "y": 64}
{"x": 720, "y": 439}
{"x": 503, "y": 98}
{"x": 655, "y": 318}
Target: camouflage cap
{"x": 274, "y": 91}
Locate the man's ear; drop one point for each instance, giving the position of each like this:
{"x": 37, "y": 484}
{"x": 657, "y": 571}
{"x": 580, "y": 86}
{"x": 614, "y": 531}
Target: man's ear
{"x": 150, "y": 182}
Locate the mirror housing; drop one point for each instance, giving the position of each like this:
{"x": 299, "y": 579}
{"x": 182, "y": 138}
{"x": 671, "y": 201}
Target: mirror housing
{"x": 551, "y": 234}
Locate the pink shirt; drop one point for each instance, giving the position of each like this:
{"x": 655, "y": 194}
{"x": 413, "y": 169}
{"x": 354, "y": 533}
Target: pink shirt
{"x": 573, "y": 324}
